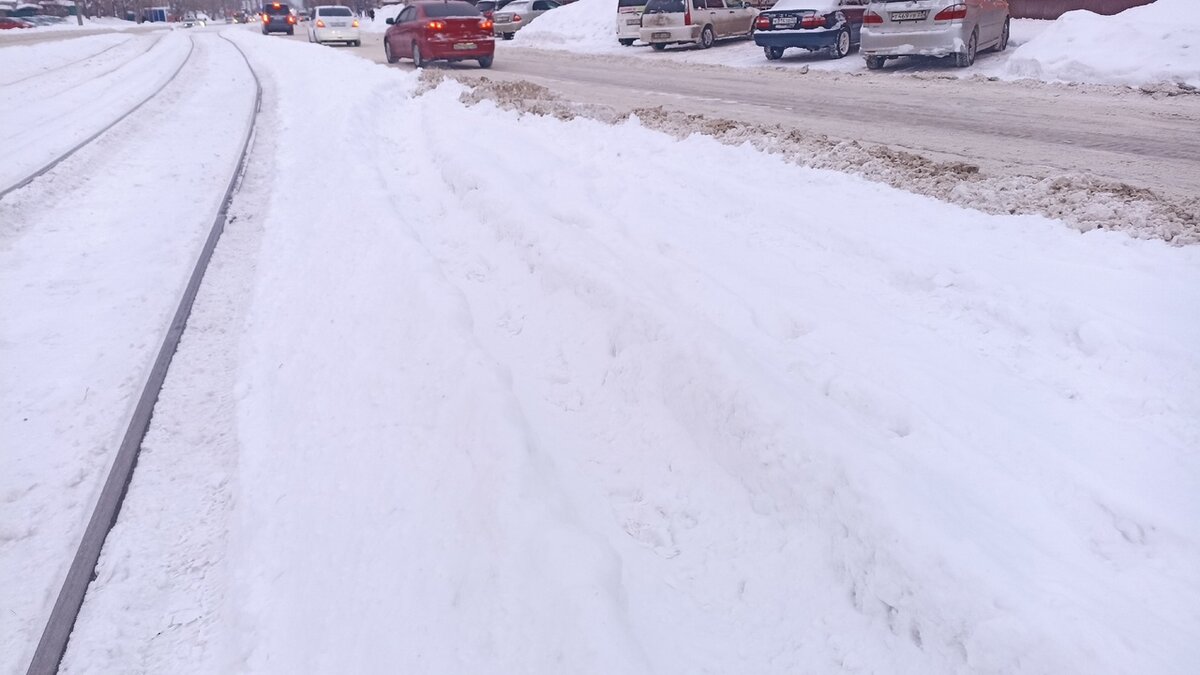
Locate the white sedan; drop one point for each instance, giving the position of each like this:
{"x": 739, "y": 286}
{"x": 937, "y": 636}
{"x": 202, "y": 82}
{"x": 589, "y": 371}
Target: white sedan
{"x": 333, "y": 23}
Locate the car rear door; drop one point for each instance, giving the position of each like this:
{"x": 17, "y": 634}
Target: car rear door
{"x": 853, "y": 10}
{"x": 403, "y": 35}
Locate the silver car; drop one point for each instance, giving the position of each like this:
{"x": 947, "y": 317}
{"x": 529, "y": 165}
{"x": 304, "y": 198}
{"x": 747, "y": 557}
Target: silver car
{"x": 517, "y": 14}
{"x": 958, "y": 28}
{"x": 698, "y": 22}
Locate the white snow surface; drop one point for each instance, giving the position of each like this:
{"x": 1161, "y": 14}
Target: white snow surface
{"x": 638, "y": 419}
{"x": 382, "y": 14}
{"x": 1152, "y": 44}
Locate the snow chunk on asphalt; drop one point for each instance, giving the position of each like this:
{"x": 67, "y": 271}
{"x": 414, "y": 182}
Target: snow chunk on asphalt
{"x": 1145, "y": 45}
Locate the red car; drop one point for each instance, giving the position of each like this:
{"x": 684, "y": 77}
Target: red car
{"x": 7, "y": 22}
{"x": 440, "y": 31}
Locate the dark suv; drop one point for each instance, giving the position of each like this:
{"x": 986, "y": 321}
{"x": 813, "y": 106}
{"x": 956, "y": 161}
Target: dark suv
{"x": 277, "y": 18}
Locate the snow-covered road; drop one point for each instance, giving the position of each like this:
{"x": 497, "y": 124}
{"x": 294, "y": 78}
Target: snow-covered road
{"x": 93, "y": 257}
{"x": 471, "y": 391}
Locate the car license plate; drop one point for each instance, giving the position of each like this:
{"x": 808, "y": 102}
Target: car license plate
{"x": 660, "y": 35}
{"x": 633, "y": 22}
{"x": 909, "y": 16}
{"x": 338, "y": 24}
{"x": 464, "y": 45}
{"x": 783, "y": 21}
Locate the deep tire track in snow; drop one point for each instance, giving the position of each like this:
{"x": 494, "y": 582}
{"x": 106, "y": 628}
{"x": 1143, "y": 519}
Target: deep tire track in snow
{"x": 58, "y": 160}
{"x": 53, "y": 643}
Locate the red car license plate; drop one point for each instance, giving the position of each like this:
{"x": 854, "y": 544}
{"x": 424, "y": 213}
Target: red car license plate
{"x": 464, "y": 45}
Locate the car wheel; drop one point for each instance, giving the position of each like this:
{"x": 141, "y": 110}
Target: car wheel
{"x": 291, "y": 31}
{"x": 658, "y": 46}
{"x": 841, "y": 46}
{"x": 875, "y": 62}
{"x": 387, "y": 51}
{"x": 1003, "y": 43}
{"x": 773, "y": 53}
{"x": 418, "y": 61}
{"x": 965, "y": 59}
{"x": 509, "y": 36}
{"x": 707, "y": 37}
{"x": 357, "y": 43}
{"x": 486, "y": 62}
{"x": 626, "y": 42}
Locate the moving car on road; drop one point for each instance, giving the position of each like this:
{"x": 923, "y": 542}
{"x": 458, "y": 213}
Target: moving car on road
{"x": 958, "y": 28}
{"x": 810, "y": 24}
{"x": 8, "y": 22}
{"x": 629, "y": 20}
{"x": 440, "y": 31}
{"x": 333, "y": 23}
{"x": 699, "y": 22}
{"x": 278, "y": 18}
{"x": 517, "y": 14}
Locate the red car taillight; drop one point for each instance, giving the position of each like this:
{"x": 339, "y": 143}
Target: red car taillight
{"x": 812, "y": 21}
{"x": 486, "y": 25}
{"x": 291, "y": 19}
{"x": 952, "y": 13}
{"x": 436, "y": 26}
{"x": 687, "y": 16}
{"x": 516, "y": 18}
{"x": 320, "y": 23}
{"x": 762, "y": 23}
{"x": 265, "y": 18}
{"x": 354, "y": 24}
{"x": 872, "y": 18}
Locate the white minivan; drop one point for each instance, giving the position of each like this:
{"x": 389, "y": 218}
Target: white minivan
{"x": 629, "y": 20}
{"x": 699, "y": 22}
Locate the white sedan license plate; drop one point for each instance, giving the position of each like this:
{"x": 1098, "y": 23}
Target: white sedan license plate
{"x": 660, "y": 36}
{"x": 908, "y": 16}
{"x": 633, "y": 22}
{"x": 464, "y": 45}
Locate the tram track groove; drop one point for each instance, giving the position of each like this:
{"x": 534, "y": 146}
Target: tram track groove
{"x": 53, "y": 643}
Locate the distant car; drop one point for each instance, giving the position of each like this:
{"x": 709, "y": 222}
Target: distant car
{"x": 517, "y": 14}
{"x": 443, "y": 30}
{"x": 699, "y": 22}
{"x": 835, "y": 25}
{"x": 277, "y": 17}
{"x": 958, "y": 28}
{"x": 490, "y": 7}
{"x": 333, "y": 23}
{"x": 10, "y": 22}
{"x": 629, "y": 20}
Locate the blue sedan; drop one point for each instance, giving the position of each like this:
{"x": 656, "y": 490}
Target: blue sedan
{"x": 834, "y": 25}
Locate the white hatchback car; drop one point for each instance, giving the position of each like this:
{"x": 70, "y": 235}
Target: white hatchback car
{"x": 333, "y": 23}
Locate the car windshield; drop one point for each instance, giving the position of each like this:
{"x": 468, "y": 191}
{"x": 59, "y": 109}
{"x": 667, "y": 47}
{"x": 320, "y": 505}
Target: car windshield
{"x": 517, "y": 7}
{"x": 446, "y": 9}
{"x": 630, "y": 3}
{"x": 664, "y": 6}
{"x": 334, "y": 11}
{"x": 821, "y": 6}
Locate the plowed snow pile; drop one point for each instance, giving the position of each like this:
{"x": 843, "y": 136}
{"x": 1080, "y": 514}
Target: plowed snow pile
{"x": 1147, "y": 45}
{"x": 587, "y": 26}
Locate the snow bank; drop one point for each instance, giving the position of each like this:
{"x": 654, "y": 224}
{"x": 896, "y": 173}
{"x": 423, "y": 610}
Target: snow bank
{"x": 382, "y": 14}
{"x": 1156, "y": 43}
{"x": 587, "y": 26}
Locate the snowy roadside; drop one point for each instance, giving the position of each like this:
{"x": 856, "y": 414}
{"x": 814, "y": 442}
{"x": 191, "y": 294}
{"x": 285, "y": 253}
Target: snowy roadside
{"x": 664, "y": 422}
{"x": 24, "y": 61}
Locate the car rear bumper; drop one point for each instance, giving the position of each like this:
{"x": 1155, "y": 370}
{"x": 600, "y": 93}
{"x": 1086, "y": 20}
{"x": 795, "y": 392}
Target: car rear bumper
{"x": 444, "y": 50}
{"x": 627, "y": 31}
{"x": 945, "y": 40}
{"x": 278, "y": 27}
{"x": 806, "y": 39}
{"x": 511, "y": 27}
{"x": 670, "y": 34}
{"x": 336, "y": 34}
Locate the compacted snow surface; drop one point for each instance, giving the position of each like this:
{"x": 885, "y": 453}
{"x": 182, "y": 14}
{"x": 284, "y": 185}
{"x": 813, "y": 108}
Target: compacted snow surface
{"x": 512, "y": 394}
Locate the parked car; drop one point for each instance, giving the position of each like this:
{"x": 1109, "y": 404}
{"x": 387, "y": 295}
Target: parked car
{"x": 517, "y": 14}
{"x": 278, "y": 18}
{"x": 958, "y": 28}
{"x": 629, "y": 20}
{"x": 449, "y": 30}
{"x": 333, "y": 23}
{"x": 490, "y": 7}
{"x": 10, "y": 22}
{"x": 700, "y": 22}
{"x": 835, "y": 25}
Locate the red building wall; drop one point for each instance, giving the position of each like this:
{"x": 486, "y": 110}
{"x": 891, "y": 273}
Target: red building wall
{"x": 1052, "y": 9}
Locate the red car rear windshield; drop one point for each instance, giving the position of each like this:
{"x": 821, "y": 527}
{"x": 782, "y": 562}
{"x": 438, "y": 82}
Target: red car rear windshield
{"x": 446, "y": 9}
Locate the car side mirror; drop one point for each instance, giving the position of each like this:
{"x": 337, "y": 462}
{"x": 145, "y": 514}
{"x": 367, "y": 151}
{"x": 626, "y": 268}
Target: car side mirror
{"x": 390, "y": 21}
